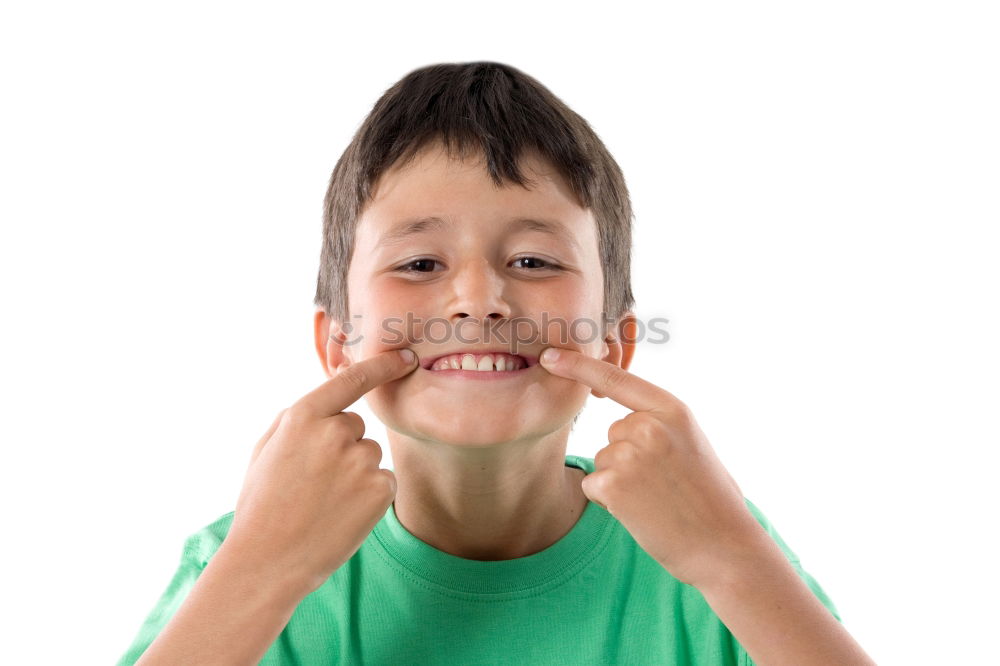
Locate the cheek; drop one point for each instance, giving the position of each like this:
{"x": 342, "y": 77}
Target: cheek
{"x": 581, "y": 332}
{"x": 386, "y": 400}
{"x": 395, "y": 322}
{"x": 378, "y": 332}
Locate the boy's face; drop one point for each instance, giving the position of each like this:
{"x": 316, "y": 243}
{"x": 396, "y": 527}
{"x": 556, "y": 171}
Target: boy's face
{"x": 469, "y": 280}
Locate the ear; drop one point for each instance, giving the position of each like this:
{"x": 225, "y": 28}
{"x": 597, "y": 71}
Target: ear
{"x": 620, "y": 344}
{"x": 329, "y": 340}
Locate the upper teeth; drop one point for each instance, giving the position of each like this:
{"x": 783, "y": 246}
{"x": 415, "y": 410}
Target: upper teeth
{"x": 482, "y": 362}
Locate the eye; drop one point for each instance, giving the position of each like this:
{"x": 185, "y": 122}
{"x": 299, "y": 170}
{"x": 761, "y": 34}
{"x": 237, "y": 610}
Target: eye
{"x": 412, "y": 267}
{"x": 545, "y": 264}
{"x": 424, "y": 265}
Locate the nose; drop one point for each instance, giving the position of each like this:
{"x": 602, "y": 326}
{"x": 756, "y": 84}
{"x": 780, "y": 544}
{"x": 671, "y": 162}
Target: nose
{"x": 478, "y": 292}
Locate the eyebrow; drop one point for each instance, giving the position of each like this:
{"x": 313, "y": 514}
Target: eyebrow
{"x": 422, "y": 225}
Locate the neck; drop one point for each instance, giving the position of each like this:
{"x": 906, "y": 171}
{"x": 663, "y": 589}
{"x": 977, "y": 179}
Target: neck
{"x": 496, "y": 502}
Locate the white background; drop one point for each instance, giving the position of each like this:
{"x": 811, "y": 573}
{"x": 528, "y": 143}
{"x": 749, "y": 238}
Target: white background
{"x": 816, "y": 196}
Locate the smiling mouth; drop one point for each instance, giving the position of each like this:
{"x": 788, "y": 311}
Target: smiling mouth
{"x": 487, "y": 363}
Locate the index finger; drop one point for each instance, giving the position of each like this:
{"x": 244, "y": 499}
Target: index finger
{"x": 267, "y": 435}
{"x": 341, "y": 391}
{"x": 620, "y": 385}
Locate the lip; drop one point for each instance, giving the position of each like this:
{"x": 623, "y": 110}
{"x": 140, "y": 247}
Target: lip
{"x": 480, "y": 375}
{"x": 430, "y": 360}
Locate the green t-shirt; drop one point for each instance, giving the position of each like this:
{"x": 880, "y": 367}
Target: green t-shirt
{"x": 593, "y": 597}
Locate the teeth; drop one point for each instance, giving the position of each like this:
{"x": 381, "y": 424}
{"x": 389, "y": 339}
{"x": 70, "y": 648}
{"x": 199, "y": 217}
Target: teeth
{"x": 485, "y": 363}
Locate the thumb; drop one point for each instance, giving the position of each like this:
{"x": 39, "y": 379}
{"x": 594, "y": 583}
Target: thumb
{"x": 267, "y": 435}
{"x": 590, "y": 490}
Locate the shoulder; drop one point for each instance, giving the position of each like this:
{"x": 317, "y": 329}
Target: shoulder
{"x": 807, "y": 577}
{"x": 582, "y": 462}
{"x": 204, "y": 542}
{"x": 770, "y": 529}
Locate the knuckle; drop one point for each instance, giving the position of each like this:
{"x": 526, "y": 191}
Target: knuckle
{"x": 385, "y": 482}
{"x": 355, "y": 377}
{"x": 611, "y": 379}
{"x": 355, "y": 456}
{"x": 617, "y": 430}
{"x": 647, "y": 427}
{"x": 354, "y": 461}
{"x": 340, "y": 431}
{"x": 628, "y": 450}
{"x": 636, "y": 423}
{"x": 372, "y": 449}
{"x": 297, "y": 415}
{"x": 353, "y": 420}
{"x": 680, "y": 413}
{"x": 608, "y": 482}
{"x": 646, "y": 430}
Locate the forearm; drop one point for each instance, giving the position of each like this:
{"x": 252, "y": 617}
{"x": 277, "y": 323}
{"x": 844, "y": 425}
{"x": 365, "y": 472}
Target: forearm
{"x": 234, "y": 612}
{"x": 776, "y": 617}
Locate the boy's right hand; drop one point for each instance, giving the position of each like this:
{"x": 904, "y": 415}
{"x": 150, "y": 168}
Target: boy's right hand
{"x": 314, "y": 490}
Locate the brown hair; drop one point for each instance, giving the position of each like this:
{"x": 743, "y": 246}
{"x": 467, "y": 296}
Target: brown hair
{"x": 500, "y": 112}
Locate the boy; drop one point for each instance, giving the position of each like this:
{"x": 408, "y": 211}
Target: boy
{"x": 486, "y": 543}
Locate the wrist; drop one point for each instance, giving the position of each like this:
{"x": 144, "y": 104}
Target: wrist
{"x": 281, "y": 585}
{"x": 742, "y": 565}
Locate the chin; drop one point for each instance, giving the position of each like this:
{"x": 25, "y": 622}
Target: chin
{"x": 474, "y": 422}
{"x": 470, "y": 430}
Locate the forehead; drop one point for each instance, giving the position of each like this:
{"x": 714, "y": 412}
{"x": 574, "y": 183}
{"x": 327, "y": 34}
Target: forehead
{"x": 436, "y": 185}
{"x": 432, "y": 165}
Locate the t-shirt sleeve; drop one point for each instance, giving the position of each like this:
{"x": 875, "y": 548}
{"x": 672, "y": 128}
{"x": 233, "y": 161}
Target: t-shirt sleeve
{"x": 198, "y": 549}
{"x": 743, "y": 657}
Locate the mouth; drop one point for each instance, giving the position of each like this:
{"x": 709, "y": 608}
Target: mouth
{"x": 479, "y": 364}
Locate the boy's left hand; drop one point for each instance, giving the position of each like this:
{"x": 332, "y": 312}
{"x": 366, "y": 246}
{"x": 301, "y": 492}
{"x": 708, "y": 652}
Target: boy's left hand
{"x": 660, "y": 477}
